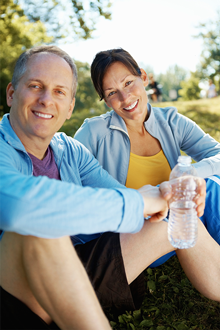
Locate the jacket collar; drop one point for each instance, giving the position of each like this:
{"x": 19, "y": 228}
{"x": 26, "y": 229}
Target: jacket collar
{"x": 116, "y": 122}
{"x": 11, "y": 138}
{"x": 9, "y": 134}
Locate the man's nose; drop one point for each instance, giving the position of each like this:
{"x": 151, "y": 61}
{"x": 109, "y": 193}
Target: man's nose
{"x": 46, "y": 98}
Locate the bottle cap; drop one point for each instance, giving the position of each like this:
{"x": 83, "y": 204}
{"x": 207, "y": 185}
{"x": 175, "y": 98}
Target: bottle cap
{"x": 185, "y": 160}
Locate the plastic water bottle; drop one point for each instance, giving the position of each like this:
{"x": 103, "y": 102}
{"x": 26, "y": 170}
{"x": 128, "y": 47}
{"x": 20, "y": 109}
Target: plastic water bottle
{"x": 183, "y": 222}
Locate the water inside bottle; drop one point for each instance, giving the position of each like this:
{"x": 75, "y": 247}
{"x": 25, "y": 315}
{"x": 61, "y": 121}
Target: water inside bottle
{"x": 183, "y": 226}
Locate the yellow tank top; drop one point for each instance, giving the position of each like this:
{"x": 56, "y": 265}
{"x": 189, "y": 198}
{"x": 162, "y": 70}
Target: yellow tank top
{"x": 147, "y": 170}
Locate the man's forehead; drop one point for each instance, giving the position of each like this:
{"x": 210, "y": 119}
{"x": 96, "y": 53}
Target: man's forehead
{"x": 48, "y": 66}
{"x": 46, "y": 59}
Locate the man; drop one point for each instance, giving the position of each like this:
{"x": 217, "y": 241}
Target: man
{"x": 41, "y": 194}
{"x": 154, "y": 87}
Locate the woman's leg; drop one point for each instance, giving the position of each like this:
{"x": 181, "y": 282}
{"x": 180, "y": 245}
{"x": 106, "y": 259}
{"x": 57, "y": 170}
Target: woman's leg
{"x": 200, "y": 263}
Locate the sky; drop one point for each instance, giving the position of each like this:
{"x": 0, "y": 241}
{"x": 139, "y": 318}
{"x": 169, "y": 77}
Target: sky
{"x": 157, "y": 33}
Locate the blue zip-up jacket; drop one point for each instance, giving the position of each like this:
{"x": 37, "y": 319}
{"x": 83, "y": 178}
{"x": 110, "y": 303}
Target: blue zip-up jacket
{"x": 107, "y": 138}
{"x": 50, "y": 208}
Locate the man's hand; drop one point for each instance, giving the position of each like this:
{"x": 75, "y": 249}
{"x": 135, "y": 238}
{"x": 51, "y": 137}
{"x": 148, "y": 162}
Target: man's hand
{"x": 199, "y": 199}
{"x": 155, "y": 204}
{"x": 156, "y": 199}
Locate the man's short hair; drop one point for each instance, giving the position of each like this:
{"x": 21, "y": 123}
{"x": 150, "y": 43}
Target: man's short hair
{"x": 21, "y": 64}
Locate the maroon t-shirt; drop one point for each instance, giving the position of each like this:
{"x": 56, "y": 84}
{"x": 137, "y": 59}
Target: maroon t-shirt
{"x": 46, "y": 166}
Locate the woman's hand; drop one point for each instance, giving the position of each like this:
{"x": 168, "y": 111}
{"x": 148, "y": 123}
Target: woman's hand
{"x": 199, "y": 199}
{"x": 156, "y": 199}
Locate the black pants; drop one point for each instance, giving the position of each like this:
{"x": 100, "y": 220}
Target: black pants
{"x": 104, "y": 265}
{"x": 102, "y": 260}
{"x": 16, "y": 315}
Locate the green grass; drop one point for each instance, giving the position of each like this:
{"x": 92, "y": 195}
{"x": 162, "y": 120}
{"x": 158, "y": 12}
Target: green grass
{"x": 205, "y": 112}
{"x": 171, "y": 303}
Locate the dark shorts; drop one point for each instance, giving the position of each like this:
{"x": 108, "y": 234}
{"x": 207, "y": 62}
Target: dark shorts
{"x": 104, "y": 265}
{"x": 103, "y": 262}
{"x": 16, "y": 315}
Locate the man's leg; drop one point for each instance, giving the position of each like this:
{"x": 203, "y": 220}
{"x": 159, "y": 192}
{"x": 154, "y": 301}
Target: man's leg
{"x": 200, "y": 263}
{"x": 48, "y": 277}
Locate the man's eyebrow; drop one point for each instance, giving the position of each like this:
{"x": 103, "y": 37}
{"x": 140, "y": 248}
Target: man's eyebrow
{"x": 107, "y": 89}
{"x": 40, "y": 81}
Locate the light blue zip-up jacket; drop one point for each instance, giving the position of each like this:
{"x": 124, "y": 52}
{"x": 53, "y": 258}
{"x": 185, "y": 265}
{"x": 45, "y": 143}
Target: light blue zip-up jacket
{"x": 50, "y": 208}
{"x": 107, "y": 138}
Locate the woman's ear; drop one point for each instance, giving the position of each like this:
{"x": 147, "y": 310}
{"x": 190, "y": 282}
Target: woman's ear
{"x": 144, "y": 77}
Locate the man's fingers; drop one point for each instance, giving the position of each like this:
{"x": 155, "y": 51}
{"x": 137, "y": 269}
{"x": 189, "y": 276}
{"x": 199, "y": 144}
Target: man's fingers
{"x": 158, "y": 216}
{"x": 166, "y": 190}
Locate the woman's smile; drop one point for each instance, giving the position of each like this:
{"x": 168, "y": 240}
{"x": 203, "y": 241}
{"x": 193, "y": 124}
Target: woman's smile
{"x": 125, "y": 93}
{"x": 132, "y": 107}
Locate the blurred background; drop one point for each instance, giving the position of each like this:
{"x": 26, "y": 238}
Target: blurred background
{"x": 177, "y": 42}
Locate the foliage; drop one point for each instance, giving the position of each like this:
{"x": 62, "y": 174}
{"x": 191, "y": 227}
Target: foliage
{"x": 17, "y": 34}
{"x": 171, "y": 80}
{"x": 86, "y": 96}
{"x": 73, "y": 124}
{"x": 205, "y": 112}
{"x": 70, "y": 18}
{"x": 171, "y": 303}
{"x": 210, "y": 57}
{"x": 190, "y": 88}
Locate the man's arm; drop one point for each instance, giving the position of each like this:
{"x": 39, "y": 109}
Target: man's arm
{"x": 59, "y": 208}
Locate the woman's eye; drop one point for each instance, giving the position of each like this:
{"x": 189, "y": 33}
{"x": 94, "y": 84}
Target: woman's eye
{"x": 128, "y": 82}
{"x": 110, "y": 94}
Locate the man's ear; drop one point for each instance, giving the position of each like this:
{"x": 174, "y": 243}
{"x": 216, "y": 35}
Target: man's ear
{"x": 72, "y": 105}
{"x": 9, "y": 94}
{"x": 144, "y": 77}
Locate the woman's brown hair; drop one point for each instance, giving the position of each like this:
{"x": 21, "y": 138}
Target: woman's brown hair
{"x": 102, "y": 62}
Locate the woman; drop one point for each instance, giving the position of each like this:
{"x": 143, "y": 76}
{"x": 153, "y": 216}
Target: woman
{"x": 138, "y": 144}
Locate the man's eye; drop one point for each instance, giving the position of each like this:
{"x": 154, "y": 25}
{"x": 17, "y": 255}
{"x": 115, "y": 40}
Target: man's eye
{"x": 60, "y": 92}
{"x": 34, "y": 86}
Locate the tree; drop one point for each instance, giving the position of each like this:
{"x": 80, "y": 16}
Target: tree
{"x": 70, "y": 19}
{"x": 86, "y": 96}
{"x": 210, "y": 57}
{"x": 17, "y": 34}
{"x": 171, "y": 80}
{"x": 190, "y": 88}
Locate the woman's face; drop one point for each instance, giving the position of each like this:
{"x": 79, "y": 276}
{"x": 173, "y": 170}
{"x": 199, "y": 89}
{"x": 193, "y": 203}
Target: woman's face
{"x": 125, "y": 93}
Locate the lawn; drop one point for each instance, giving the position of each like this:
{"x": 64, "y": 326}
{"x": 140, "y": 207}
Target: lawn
{"x": 205, "y": 112}
{"x": 171, "y": 303}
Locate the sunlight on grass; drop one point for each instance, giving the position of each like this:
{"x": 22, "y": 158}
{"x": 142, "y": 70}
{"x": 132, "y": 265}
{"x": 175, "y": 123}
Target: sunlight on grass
{"x": 205, "y": 112}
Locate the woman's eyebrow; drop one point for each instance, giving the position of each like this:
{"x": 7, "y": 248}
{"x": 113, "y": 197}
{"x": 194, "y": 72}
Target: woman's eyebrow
{"x": 107, "y": 89}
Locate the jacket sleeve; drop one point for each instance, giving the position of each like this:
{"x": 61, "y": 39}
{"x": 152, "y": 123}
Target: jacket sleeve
{"x": 196, "y": 143}
{"x": 50, "y": 208}
{"x": 88, "y": 136}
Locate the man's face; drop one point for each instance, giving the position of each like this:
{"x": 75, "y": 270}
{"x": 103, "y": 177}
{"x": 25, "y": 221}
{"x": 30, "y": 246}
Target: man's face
{"x": 43, "y": 99}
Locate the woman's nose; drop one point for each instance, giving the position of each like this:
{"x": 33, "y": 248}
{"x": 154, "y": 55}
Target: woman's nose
{"x": 123, "y": 95}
